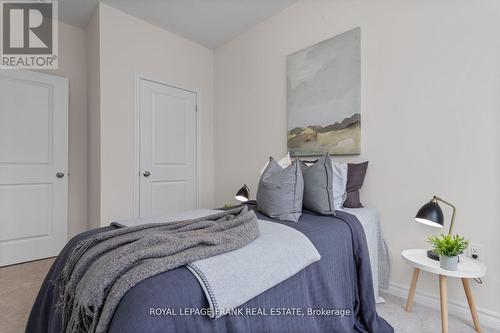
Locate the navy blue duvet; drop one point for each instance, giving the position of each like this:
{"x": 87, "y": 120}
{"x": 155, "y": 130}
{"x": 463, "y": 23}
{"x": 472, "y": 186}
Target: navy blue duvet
{"x": 334, "y": 294}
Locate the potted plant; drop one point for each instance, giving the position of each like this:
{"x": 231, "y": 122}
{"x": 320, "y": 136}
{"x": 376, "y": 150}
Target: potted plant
{"x": 448, "y": 248}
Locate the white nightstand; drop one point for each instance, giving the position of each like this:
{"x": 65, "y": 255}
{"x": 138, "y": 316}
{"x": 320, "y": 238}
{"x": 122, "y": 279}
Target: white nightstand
{"x": 467, "y": 269}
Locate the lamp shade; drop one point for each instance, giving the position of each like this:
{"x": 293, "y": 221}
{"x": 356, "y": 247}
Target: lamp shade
{"x": 243, "y": 194}
{"x": 430, "y": 214}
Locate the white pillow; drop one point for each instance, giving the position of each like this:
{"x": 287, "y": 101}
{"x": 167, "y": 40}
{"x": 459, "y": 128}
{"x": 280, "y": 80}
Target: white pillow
{"x": 339, "y": 184}
{"x": 283, "y": 162}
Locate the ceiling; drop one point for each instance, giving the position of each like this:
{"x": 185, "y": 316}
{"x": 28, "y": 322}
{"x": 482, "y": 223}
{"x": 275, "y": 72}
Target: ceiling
{"x": 208, "y": 22}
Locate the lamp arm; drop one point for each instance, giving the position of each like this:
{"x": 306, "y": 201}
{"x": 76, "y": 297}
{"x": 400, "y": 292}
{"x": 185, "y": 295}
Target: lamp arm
{"x": 452, "y": 215}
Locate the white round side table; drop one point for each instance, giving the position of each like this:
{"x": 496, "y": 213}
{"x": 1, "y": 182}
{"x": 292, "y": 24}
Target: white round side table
{"x": 467, "y": 269}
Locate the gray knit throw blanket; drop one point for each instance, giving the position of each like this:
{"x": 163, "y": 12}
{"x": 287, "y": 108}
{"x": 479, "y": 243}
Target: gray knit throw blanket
{"x": 102, "y": 268}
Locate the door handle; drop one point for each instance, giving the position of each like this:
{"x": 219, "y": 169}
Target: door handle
{"x": 59, "y": 174}
{"x": 146, "y": 174}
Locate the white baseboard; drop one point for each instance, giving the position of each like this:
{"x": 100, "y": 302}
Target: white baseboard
{"x": 487, "y": 318}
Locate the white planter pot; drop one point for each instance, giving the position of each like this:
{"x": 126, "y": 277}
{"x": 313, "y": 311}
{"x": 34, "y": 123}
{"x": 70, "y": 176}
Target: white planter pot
{"x": 449, "y": 263}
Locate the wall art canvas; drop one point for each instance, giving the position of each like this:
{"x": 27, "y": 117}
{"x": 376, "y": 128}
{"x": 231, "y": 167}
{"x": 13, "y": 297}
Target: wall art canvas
{"x": 324, "y": 97}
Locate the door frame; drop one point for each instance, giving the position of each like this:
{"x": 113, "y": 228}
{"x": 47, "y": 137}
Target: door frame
{"x": 137, "y": 108}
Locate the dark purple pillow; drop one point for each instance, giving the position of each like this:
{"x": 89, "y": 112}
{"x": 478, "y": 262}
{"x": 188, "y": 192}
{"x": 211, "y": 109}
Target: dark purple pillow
{"x": 355, "y": 178}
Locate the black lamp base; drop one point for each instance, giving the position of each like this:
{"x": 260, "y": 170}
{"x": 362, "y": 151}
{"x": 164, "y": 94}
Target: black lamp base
{"x": 432, "y": 255}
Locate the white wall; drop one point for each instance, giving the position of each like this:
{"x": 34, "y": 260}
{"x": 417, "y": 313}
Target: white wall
{"x": 430, "y": 114}
{"x": 130, "y": 46}
{"x": 72, "y": 65}
{"x": 94, "y": 120}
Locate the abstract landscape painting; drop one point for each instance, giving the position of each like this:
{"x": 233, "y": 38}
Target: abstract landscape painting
{"x": 324, "y": 97}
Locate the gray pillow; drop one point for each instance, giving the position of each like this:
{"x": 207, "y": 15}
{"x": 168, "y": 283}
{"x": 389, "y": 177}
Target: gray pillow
{"x": 318, "y": 186}
{"x": 280, "y": 191}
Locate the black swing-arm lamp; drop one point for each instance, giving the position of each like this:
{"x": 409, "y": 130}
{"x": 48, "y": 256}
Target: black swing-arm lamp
{"x": 243, "y": 194}
{"x": 432, "y": 214}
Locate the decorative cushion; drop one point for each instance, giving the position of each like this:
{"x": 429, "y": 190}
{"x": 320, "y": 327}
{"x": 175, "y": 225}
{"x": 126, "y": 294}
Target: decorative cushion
{"x": 355, "y": 178}
{"x": 339, "y": 182}
{"x": 280, "y": 191}
{"x": 318, "y": 186}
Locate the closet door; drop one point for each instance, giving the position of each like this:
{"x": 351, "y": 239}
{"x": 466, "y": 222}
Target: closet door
{"x": 33, "y": 165}
{"x": 167, "y": 149}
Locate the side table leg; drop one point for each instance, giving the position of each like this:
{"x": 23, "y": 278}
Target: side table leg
{"x": 443, "y": 292}
{"x": 472, "y": 304}
{"x": 411, "y": 292}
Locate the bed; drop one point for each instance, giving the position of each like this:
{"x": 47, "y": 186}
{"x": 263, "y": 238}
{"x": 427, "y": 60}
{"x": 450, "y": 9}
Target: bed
{"x": 334, "y": 294}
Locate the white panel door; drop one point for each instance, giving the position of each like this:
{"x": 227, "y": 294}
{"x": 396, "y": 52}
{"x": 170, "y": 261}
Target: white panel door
{"x": 167, "y": 149}
{"x": 33, "y": 165}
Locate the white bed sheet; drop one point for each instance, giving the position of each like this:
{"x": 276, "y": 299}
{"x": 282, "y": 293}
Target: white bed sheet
{"x": 379, "y": 260}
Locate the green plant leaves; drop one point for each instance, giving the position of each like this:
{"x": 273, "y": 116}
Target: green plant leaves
{"x": 447, "y": 245}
